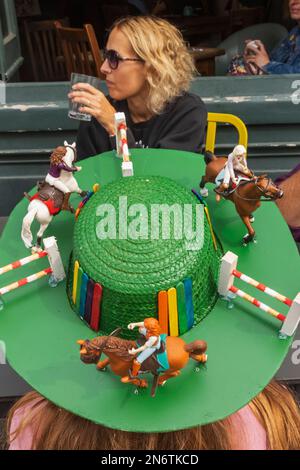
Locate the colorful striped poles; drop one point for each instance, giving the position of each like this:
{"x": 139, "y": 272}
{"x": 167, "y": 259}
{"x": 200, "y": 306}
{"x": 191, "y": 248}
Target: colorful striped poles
{"x": 262, "y": 287}
{"x": 56, "y": 267}
{"x": 26, "y": 280}
{"x": 22, "y": 262}
{"x": 257, "y": 303}
{"x": 228, "y": 271}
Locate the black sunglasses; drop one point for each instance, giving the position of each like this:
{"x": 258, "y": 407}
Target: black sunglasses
{"x": 113, "y": 58}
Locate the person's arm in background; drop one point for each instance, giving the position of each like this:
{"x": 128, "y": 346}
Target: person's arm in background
{"x": 285, "y": 51}
{"x": 276, "y": 63}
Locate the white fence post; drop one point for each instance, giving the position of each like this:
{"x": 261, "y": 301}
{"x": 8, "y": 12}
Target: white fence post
{"x": 292, "y": 319}
{"x": 226, "y": 278}
{"x": 54, "y": 258}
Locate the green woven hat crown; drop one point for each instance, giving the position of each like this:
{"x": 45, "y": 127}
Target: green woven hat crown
{"x": 147, "y": 249}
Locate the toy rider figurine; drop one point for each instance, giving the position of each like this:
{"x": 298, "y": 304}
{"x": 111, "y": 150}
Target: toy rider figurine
{"x": 54, "y": 175}
{"x": 236, "y": 162}
{"x": 151, "y": 330}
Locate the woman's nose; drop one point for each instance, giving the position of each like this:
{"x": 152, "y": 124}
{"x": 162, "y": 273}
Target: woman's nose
{"x": 105, "y": 68}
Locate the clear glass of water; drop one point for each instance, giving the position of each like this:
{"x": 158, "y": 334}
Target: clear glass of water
{"x": 74, "y": 112}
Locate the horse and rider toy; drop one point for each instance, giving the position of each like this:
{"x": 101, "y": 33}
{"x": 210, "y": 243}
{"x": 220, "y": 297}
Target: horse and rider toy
{"x": 53, "y": 193}
{"x": 236, "y": 182}
{"x": 159, "y": 354}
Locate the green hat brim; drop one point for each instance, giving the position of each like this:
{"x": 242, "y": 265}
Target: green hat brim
{"x": 40, "y": 329}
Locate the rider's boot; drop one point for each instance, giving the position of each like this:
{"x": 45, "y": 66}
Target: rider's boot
{"x": 65, "y": 205}
{"x": 133, "y": 373}
{"x": 135, "y": 367}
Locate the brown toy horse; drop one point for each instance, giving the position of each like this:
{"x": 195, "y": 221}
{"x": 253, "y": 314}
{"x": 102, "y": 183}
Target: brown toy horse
{"x": 120, "y": 361}
{"x": 247, "y": 196}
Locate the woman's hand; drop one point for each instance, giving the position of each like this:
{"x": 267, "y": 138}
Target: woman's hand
{"x": 260, "y": 57}
{"x": 94, "y": 103}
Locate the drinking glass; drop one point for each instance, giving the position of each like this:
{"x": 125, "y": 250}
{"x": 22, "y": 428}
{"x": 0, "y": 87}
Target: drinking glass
{"x": 74, "y": 112}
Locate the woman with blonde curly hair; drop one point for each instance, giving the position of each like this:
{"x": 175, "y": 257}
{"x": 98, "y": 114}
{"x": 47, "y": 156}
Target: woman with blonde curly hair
{"x": 148, "y": 72}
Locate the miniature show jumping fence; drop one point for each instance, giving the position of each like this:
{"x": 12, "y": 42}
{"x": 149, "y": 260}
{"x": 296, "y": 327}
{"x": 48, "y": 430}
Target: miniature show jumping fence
{"x": 122, "y": 144}
{"x": 55, "y": 270}
{"x": 228, "y": 272}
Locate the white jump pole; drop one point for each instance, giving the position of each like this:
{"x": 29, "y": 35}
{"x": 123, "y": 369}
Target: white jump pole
{"x": 228, "y": 272}
{"x": 122, "y": 144}
{"x": 55, "y": 271}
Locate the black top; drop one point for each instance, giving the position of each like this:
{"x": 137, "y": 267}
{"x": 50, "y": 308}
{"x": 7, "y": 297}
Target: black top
{"x": 181, "y": 126}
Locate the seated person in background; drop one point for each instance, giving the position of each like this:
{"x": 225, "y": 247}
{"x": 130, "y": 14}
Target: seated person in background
{"x": 148, "y": 73}
{"x": 285, "y": 58}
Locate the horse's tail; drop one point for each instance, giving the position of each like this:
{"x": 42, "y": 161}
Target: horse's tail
{"x": 26, "y": 234}
{"x": 209, "y": 156}
{"x": 196, "y": 350}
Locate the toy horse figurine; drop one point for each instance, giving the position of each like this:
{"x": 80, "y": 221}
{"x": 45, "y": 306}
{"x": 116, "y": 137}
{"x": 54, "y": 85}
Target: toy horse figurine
{"x": 246, "y": 195}
{"x": 53, "y": 193}
{"x": 164, "y": 363}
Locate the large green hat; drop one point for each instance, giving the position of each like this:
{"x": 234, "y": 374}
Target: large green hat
{"x": 244, "y": 351}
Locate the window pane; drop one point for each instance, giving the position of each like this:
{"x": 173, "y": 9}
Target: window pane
{"x": 3, "y": 19}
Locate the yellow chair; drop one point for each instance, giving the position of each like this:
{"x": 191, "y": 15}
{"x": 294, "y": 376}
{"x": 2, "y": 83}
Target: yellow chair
{"x": 214, "y": 118}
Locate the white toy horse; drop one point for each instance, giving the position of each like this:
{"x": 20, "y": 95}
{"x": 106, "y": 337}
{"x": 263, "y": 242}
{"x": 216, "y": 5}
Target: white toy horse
{"x": 53, "y": 194}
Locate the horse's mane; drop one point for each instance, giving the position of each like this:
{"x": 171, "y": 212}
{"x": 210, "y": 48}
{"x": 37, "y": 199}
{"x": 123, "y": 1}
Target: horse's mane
{"x": 117, "y": 346}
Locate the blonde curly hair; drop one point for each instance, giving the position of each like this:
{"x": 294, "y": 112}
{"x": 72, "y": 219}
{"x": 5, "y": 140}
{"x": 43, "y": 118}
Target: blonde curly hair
{"x": 170, "y": 66}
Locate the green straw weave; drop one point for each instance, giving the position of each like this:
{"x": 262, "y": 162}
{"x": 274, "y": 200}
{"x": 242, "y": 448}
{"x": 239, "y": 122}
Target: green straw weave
{"x": 133, "y": 271}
